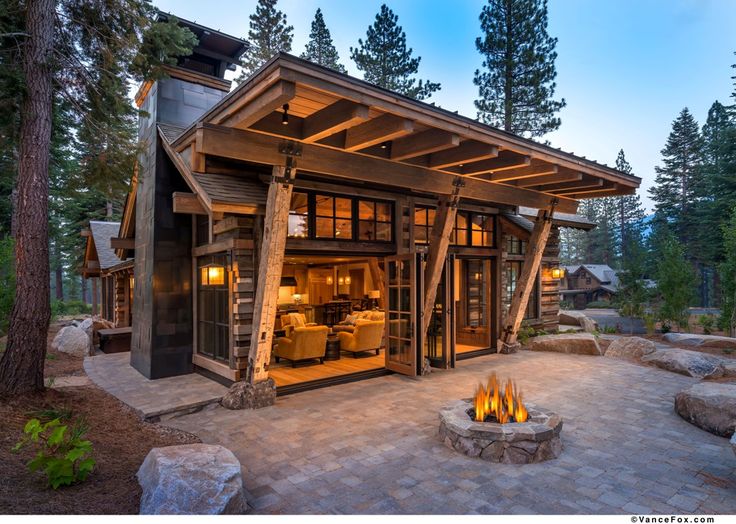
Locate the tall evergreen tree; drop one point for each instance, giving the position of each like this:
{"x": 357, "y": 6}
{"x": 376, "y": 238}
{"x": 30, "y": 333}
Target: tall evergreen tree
{"x": 675, "y": 189}
{"x": 631, "y": 211}
{"x": 631, "y": 298}
{"x": 95, "y": 46}
{"x": 320, "y": 48}
{"x": 268, "y": 35}
{"x": 727, "y": 270}
{"x": 385, "y": 60}
{"x": 516, "y": 85}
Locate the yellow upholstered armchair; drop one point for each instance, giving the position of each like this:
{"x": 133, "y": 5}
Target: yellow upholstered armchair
{"x": 290, "y": 321}
{"x": 305, "y": 343}
{"x": 367, "y": 336}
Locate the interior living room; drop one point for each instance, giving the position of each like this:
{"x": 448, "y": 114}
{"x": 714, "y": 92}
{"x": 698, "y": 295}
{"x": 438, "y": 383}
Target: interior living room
{"x": 330, "y": 319}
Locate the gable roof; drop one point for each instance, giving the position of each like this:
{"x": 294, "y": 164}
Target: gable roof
{"x": 99, "y": 255}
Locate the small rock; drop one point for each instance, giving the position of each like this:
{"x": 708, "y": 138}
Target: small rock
{"x": 576, "y": 318}
{"x": 193, "y": 479}
{"x": 577, "y": 343}
{"x": 243, "y": 395}
{"x": 686, "y": 362}
{"x": 72, "y": 340}
{"x": 710, "y": 406}
{"x": 630, "y": 347}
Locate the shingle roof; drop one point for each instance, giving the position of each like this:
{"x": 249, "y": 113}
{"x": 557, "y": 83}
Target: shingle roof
{"x": 561, "y": 219}
{"x": 102, "y": 232}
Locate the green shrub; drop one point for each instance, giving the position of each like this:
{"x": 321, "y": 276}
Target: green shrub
{"x": 527, "y": 332}
{"x": 650, "y": 322}
{"x": 61, "y": 453}
{"x": 69, "y": 307}
{"x": 666, "y": 328}
{"x": 611, "y": 330}
{"x": 603, "y": 304}
{"x": 566, "y": 304}
{"x": 7, "y": 282}
{"x": 706, "y": 322}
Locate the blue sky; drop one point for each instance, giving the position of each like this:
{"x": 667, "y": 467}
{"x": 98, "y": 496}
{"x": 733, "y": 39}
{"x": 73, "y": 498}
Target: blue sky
{"x": 625, "y": 67}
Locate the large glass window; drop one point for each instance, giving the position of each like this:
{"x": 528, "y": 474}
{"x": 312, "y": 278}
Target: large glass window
{"x": 333, "y": 217}
{"x": 213, "y": 312}
{"x": 470, "y": 229}
{"x": 374, "y": 220}
{"x": 515, "y": 246}
{"x": 299, "y": 215}
{"x": 513, "y": 273}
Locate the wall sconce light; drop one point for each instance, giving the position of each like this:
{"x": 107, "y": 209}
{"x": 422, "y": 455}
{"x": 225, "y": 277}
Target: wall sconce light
{"x": 557, "y": 273}
{"x": 131, "y": 282}
{"x": 340, "y": 281}
{"x": 212, "y": 275}
{"x": 329, "y": 280}
{"x": 348, "y": 280}
{"x": 285, "y": 115}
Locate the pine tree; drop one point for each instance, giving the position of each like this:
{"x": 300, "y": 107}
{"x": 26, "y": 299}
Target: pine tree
{"x": 632, "y": 294}
{"x": 269, "y": 34}
{"x": 320, "y": 48}
{"x": 631, "y": 211}
{"x": 674, "y": 192}
{"x": 516, "y": 85}
{"x": 674, "y": 276}
{"x": 727, "y": 270}
{"x": 385, "y": 60}
{"x": 94, "y": 45}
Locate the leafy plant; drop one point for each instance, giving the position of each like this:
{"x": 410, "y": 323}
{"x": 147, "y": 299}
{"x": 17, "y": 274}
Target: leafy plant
{"x": 62, "y": 454}
{"x": 527, "y": 332}
{"x": 650, "y": 322}
{"x": 610, "y": 330}
{"x": 706, "y": 322}
{"x": 599, "y": 304}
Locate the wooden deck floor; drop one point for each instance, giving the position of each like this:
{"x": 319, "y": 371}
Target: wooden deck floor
{"x": 284, "y": 375}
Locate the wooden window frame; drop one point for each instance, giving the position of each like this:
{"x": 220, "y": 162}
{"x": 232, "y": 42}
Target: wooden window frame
{"x": 468, "y": 215}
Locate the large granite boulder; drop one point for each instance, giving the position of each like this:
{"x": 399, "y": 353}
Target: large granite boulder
{"x": 729, "y": 367}
{"x": 577, "y": 343}
{"x": 630, "y": 348}
{"x": 710, "y": 406}
{"x": 192, "y": 479}
{"x": 72, "y": 340}
{"x": 733, "y": 443}
{"x": 690, "y": 339}
{"x": 577, "y": 318}
{"x": 243, "y": 395}
{"x": 686, "y": 362}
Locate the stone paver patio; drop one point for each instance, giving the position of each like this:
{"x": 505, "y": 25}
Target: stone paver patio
{"x": 153, "y": 400}
{"x": 371, "y": 446}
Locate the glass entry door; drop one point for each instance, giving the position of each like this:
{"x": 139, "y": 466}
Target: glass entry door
{"x": 439, "y": 344}
{"x": 473, "y": 298}
{"x": 403, "y": 332}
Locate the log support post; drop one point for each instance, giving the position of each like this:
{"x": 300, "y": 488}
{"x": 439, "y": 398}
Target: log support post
{"x": 273, "y": 245}
{"x": 444, "y": 222}
{"x": 525, "y": 284}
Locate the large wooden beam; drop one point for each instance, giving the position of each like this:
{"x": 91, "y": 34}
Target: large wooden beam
{"x": 444, "y": 222}
{"x": 573, "y": 186}
{"x": 122, "y": 243}
{"x": 263, "y": 149}
{"x": 271, "y": 99}
{"x": 376, "y": 131}
{"x": 525, "y": 284}
{"x": 343, "y": 114}
{"x": 273, "y": 246}
{"x": 467, "y": 152}
{"x": 506, "y": 160}
{"x": 423, "y": 143}
{"x": 603, "y": 188}
{"x": 188, "y": 203}
{"x": 546, "y": 180}
{"x": 534, "y": 169}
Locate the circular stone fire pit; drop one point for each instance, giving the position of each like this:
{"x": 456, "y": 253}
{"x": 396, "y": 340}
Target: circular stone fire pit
{"x": 536, "y": 440}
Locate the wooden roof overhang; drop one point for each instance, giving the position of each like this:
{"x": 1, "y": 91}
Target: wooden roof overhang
{"x": 348, "y": 128}
{"x": 91, "y": 263}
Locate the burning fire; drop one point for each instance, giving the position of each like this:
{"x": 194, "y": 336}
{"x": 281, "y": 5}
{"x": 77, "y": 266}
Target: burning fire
{"x": 505, "y": 407}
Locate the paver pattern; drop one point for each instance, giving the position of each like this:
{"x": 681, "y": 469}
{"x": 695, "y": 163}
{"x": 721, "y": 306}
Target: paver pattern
{"x": 372, "y": 446}
{"x": 152, "y": 399}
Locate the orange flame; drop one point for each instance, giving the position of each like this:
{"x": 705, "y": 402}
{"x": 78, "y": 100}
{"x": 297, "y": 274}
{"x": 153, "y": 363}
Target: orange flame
{"x": 488, "y": 401}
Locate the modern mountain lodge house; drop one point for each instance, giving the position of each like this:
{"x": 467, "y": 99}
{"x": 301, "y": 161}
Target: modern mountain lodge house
{"x": 312, "y": 228}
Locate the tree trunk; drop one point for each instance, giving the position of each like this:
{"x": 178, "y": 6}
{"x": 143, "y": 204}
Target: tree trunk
{"x": 21, "y": 366}
{"x": 58, "y": 272}
{"x": 84, "y": 290}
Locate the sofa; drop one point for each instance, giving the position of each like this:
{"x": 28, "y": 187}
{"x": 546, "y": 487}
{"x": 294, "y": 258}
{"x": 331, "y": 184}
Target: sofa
{"x": 305, "y": 343}
{"x": 367, "y": 335}
{"x": 348, "y": 325}
{"x": 289, "y": 321}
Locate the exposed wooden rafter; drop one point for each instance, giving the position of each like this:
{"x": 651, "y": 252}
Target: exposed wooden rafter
{"x": 343, "y": 114}
{"x": 423, "y": 143}
{"x": 573, "y": 186}
{"x": 188, "y": 203}
{"x": 376, "y": 131}
{"x": 271, "y": 99}
{"x": 467, "y": 152}
{"x": 536, "y": 168}
{"x": 506, "y": 160}
{"x": 549, "y": 179}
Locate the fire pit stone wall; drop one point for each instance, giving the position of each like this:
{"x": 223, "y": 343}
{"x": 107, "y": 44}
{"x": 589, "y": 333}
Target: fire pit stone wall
{"x": 536, "y": 440}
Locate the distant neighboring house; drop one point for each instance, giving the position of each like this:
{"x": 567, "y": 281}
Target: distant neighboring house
{"x": 585, "y": 283}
